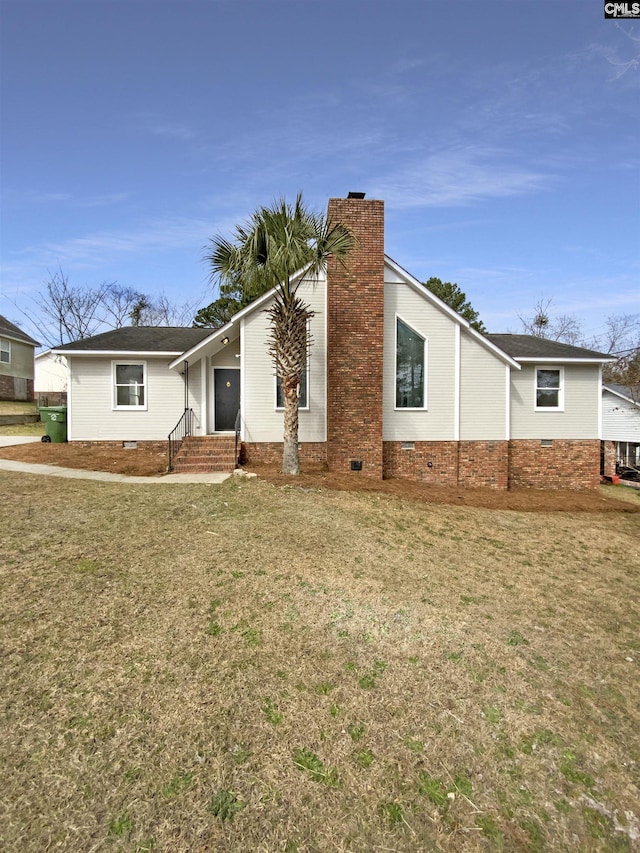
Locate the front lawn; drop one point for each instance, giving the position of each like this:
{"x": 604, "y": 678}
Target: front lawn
{"x": 253, "y": 667}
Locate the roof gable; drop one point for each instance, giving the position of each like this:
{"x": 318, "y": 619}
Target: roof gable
{"x": 624, "y": 391}
{"x": 10, "y": 330}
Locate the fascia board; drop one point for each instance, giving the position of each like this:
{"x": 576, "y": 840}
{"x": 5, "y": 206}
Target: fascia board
{"x": 425, "y": 292}
{"x": 529, "y": 359}
{"x": 11, "y": 337}
{"x": 420, "y": 288}
{"x": 116, "y": 353}
{"x": 240, "y": 315}
{"x": 609, "y": 390}
{"x": 195, "y": 350}
{"x": 487, "y": 344}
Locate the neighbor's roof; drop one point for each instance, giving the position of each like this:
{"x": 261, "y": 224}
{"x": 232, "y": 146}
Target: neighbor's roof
{"x": 12, "y": 331}
{"x": 533, "y": 348}
{"x": 172, "y": 340}
{"x": 629, "y": 392}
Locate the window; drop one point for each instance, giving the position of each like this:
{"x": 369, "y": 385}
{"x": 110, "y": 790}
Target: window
{"x": 5, "y": 351}
{"x": 549, "y": 390}
{"x": 129, "y": 385}
{"x": 410, "y": 368}
{"x": 303, "y": 402}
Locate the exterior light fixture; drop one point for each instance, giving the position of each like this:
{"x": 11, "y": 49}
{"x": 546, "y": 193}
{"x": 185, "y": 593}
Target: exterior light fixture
{"x": 225, "y": 341}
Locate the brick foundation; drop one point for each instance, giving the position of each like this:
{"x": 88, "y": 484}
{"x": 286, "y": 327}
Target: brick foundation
{"x": 608, "y": 457}
{"x": 474, "y": 464}
{"x": 12, "y": 388}
{"x": 270, "y": 453}
{"x": 432, "y": 462}
{"x": 566, "y": 464}
{"x": 483, "y": 464}
{"x": 150, "y": 445}
{"x": 522, "y": 464}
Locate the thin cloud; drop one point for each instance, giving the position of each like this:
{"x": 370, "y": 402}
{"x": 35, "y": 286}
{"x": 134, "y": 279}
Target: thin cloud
{"x": 174, "y": 130}
{"x": 31, "y": 198}
{"x": 458, "y": 178}
{"x": 100, "y": 249}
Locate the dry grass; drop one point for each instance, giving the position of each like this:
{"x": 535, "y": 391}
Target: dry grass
{"x": 258, "y": 668}
{"x": 10, "y": 407}
{"x": 37, "y": 428}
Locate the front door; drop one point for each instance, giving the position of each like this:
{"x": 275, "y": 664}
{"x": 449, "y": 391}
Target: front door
{"x": 226, "y": 395}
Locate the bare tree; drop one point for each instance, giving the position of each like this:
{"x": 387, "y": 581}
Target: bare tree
{"x": 162, "y": 311}
{"x": 65, "y": 313}
{"x": 543, "y": 324}
{"x": 620, "y": 339}
{"x": 74, "y": 312}
{"x": 119, "y": 304}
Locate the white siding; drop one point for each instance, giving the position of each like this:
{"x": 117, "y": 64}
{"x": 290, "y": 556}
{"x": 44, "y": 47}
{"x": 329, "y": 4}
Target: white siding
{"x": 579, "y": 420}
{"x": 437, "y": 421}
{"x": 483, "y": 393}
{"x": 195, "y": 395}
{"x": 50, "y": 373}
{"x": 620, "y": 419}
{"x": 93, "y": 418}
{"x": 261, "y": 420}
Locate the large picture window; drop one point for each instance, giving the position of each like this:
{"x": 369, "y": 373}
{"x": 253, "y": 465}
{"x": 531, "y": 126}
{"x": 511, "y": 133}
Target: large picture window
{"x": 549, "y": 388}
{"x": 130, "y": 385}
{"x": 410, "y": 368}
{"x": 5, "y": 351}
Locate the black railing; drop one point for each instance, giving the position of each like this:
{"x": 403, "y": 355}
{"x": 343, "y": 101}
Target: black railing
{"x": 182, "y": 429}
{"x": 237, "y": 429}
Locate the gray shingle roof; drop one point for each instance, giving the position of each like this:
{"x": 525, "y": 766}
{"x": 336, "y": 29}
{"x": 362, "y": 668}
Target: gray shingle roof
{"x": 12, "y": 331}
{"x": 530, "y": 346}
{"x": 174, "y": 339}
{"x": 631, "y": 392}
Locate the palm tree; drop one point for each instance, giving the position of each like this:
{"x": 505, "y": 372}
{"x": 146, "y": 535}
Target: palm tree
{"x": 279, "y": 247}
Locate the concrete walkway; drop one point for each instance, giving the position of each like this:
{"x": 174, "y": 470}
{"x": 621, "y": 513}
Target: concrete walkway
{"x": 10, "y": 440}
{"x": 104, "y": 476}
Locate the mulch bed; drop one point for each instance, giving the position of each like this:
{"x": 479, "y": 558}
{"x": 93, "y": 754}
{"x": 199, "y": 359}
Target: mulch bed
{"x": 145, "y": 462}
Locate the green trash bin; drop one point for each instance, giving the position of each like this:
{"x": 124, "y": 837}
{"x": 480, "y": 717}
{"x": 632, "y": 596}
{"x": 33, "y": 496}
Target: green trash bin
{"x": 55, "y": 423}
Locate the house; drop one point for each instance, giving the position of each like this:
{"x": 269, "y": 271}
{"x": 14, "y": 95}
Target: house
{"x": 50, "y": 379}
{"x": 16, "y": 362}
{"x": 397, "y": 384}
{"x": 620, "y": 428}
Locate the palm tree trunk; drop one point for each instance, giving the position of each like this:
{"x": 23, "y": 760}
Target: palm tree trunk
{"x": 290, "y": 455}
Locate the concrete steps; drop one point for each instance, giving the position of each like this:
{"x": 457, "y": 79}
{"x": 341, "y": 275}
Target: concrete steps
{"x": 202, "y": 454}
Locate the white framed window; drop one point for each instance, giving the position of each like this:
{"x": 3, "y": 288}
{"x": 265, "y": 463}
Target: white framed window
{"x": 5, "y": 351}
{"x": 411, "y": 367}
{"x": 303, "y": 401}
{"x": 549, "y": 389}
{"x": 129, "y": 384}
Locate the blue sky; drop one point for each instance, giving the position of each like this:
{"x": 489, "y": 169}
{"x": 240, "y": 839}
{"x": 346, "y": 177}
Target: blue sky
{"x": 503, "y": 136}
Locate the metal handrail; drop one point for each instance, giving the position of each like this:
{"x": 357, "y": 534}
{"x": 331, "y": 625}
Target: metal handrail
{"x": 238, "y": 425}
{"x": 182, "y": 429}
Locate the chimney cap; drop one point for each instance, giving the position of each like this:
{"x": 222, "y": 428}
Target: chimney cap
{"x": 356, "y": 195}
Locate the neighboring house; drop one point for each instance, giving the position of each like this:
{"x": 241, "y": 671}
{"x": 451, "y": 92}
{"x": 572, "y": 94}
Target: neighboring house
{"x": 50, "y": 380}
{"x": 397, "y": 384}
{"x": 620, "y": 427}
{"x": 16, "y": 362}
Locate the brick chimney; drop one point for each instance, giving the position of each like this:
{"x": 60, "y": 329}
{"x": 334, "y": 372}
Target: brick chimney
{"x": 355, "y": 326}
